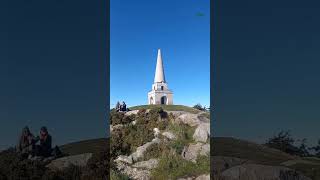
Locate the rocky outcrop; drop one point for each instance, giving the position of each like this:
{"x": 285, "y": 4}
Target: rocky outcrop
{"x": 202, "y": 132}
{"x": 256, "y": 171}
{"x": 169, "y": 135}
{"x": 202, "y": 177}
{"x": 189, "y": 119}
{"x": 192, "y": 152}
{"x": 131, "y": 112}
{"x": 150, "y": 164}
{"x": 76, "y": 160}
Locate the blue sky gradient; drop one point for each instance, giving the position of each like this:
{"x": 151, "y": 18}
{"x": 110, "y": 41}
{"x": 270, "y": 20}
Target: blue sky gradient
{"x": 139, "y": 28}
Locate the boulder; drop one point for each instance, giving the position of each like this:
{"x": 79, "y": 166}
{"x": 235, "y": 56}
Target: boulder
{"x": 76, "y": 160}
{"x": 131, "y": 112}
{"x": 192, "y": 152}
{"x": 169, "y": 135}
{"x": 156, "y": 132}
{"x": 134, "y": 173}
{"x": 142, "y": 149}
{"x": 126, "y": 159}
{"x": 203, "y": 177}
{"x": 189, "y": 119}
{"x": 256, "y": 171}
{"x": 202, "y": 132}
{"x": 150, "y": 164}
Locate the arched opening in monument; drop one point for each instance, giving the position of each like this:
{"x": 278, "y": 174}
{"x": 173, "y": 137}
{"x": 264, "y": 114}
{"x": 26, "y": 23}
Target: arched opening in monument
{"x": 151, "y": 100}
{"x": 163, "y": 100}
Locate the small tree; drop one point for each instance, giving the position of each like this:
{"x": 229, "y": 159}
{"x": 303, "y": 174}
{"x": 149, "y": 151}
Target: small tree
{"x": 283, "y": 142}
{"x": 199, "y": 107}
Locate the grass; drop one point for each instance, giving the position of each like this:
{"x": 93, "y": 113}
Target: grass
{"x": 168, "y": 108}
{"x": 172, "y": 166}
{"x": 184, "y": 135}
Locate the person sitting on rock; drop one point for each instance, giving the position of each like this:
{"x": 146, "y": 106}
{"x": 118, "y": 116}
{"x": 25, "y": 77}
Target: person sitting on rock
{"x": 118, "y": 106}
{"x": 124, "y": 106}
{"x": 26, "y": 143}
{"x": 45, "y": 147}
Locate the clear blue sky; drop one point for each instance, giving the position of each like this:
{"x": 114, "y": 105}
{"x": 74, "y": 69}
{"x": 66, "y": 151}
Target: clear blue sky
{"x": 180, "y": 29}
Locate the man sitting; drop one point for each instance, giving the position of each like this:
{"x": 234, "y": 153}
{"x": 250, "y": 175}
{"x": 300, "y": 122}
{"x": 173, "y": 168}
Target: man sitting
{"x": 45, "y": 147}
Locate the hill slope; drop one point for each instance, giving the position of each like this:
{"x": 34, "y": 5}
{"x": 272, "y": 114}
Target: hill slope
{"x": 86, "y": 146}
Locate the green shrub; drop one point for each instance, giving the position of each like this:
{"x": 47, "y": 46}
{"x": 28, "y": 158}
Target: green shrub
{"x": 173, "y": 166}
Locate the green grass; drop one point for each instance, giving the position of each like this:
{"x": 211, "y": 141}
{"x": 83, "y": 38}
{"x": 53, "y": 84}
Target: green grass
{"x": 168, "y": 108}
{"x": 184, "y": 135}
{"x": 172, "y": 166}
{"x": 87, "y": 146}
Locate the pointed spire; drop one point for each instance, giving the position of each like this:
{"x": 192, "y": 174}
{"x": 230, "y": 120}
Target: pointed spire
{"x": 159, "y": 75}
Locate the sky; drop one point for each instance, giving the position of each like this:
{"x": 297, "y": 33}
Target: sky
{"x": 266, "y": 69}
{"x": 53, "y": 69}
{"x": 181, "y": 29}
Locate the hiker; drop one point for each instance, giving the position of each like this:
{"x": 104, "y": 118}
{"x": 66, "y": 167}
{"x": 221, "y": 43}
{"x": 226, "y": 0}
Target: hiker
{"x": 124, "y": 106}
{"x": 118, "y": 106}
{"x": 26, "y": 143}
{"x": 45, "y": 147}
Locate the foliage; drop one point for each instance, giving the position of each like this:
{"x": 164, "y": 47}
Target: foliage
{"x": 285, "y": 143}
{"x": 184, "y": 135}
{"x": 199, "y": 107}
{"x": 126, "y": 139}
{"x": 173, "y": 166}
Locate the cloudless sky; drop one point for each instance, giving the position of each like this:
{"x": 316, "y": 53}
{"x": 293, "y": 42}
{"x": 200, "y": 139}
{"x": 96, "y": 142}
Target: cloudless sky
{"x": 266, "y": 68}
{"x": 181, "y": 29}
{"x": 53, "y": 69}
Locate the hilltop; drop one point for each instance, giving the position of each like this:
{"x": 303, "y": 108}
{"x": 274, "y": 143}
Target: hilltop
{"x": 229, "y": 155}
{"x": 160, "y": 142}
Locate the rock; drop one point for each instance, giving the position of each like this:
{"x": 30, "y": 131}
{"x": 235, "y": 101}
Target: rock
{"x": 77, "y": 160}
{"x": 134, "y": 173}
{"x": 221, "y": 163}
{"x": 131, "y": 112}
{"x": 150, "y": 164}
{"x": 205, "y": 150}
{"x": 169, "y": 135}
{"x": 142, "y": 149}
{"x": 203, "y": 177}
{"x": 191, "y": 152}
{"x": 126, "y": 159}
{"x": 156, "y": 132}
{"x": 134, "y": 122}
{"x": 189, "y": 119}
{"x": 256, "y": 171}
{"x": 202, "y": 132}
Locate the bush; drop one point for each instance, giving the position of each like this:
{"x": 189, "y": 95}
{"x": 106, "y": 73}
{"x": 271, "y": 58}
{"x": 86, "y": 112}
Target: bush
{"x": 199, "y": 107}
{"x": 173, "y": 166}
{"x": 285, "y": 143}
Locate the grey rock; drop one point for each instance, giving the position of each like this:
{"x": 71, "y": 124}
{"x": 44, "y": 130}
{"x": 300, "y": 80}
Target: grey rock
{"x": 256, "y": 171}
{"x": 62, "y": 163}
{"x": 192, "y": 152}
{"x": 131, "y": 112}
{"x": 202, "y": 132}
{"x": 150, "y": 164}
{"x": 126, "y": 159}
{"x": 169, "y": 135}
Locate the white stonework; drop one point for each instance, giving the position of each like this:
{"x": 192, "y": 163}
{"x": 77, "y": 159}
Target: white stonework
{"x": 160, "y": 93}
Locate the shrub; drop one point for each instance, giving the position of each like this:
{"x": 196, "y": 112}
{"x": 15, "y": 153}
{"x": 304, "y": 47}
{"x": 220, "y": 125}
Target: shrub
{"x": 173, "y": 166}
